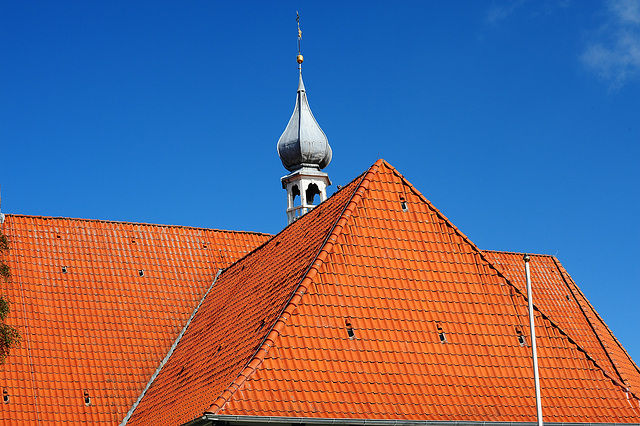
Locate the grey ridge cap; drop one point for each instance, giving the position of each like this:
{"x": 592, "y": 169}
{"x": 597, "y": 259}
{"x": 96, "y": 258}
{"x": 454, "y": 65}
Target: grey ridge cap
{"x": 213, "y": 419}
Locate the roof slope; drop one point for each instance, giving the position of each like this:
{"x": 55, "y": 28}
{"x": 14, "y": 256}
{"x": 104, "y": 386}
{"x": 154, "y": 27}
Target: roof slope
{"x": 242, "y": 314}
{"x": 399, "y": 317}
{"x": 563, "y": 303}
{"x": 100, "y": 327}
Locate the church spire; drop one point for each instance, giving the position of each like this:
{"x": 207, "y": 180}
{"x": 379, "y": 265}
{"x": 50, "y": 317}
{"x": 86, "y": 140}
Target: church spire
{"x": 304, "y": 150}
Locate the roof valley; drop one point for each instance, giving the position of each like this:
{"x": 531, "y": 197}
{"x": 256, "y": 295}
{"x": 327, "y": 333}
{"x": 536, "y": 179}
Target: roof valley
{"x": 169, "y": 353}
{"x": 635, "y": 385}
{"x": 614, "y": 375}
{"x": 621, "y": 381}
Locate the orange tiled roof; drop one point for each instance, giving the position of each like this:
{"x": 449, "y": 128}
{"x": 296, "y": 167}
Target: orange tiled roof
{"x": 247, "y": 306}
{"x": 561, "y": 301}
{"x": 100, "y": 327}
{"x": 374, "y": 306}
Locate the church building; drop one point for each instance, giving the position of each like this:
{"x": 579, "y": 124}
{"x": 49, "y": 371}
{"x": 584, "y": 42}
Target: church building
{"x": 369, "y": 308}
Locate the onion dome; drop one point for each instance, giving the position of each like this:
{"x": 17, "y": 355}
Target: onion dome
{"x": 303, "y": 143}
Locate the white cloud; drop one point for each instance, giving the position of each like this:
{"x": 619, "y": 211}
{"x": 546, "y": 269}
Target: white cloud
{"x": 615, "y": 57}
{"x": 628, "y": 11}
{"x": 498, "y": 13}
{"x": 506, "y": 9}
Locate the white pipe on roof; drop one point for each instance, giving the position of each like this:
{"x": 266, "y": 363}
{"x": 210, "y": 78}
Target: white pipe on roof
{"x": 534, "y": 350}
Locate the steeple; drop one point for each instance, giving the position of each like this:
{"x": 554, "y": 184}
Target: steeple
{"x": 304, "y": 151}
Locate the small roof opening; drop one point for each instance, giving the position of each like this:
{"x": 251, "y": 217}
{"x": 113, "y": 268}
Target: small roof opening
{"x": 350, "y": 332}
{"x": 441, "y": 335}
{"x": 403, "y": 204}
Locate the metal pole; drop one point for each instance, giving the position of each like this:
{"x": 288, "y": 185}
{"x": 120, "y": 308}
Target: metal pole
{"x": 534, "y": 350}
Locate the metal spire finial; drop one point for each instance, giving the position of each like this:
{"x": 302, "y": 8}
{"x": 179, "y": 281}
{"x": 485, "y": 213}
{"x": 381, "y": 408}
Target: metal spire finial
{"x": 300, "y": 58}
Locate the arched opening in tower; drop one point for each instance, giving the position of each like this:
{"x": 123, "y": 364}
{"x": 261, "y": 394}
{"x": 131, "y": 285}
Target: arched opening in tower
{"x": 312, "y": 191}
{"x": 295, "y": 192}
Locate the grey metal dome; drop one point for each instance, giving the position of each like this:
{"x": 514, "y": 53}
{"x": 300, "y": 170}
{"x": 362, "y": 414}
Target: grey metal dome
{"x": 303, "y": 143}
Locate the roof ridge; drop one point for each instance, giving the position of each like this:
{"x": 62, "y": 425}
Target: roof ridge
{"x": 504, "y": 276}
{"x": 135, "y": 223}
{"x": 520, "y": 253}
{"x": 430, "y": 204}
{"x": 261, "y": 246}
{"x": 301, "y": 289}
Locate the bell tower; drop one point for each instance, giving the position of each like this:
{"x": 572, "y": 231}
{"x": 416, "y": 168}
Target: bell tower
{"x": 304, "y": 151}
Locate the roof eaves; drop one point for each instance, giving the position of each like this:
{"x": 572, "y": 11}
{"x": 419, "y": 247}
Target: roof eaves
{"x": 208, "y": 419}
{"x": 290, "y": 307}
{"x": 169, "y": 353}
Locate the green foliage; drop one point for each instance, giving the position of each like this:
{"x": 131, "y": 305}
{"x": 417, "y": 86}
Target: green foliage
{"x": 5, "y": 271}
{"x": 4, "y": 243}
{"x": 9, "y": 336}
{"x": 4, "y": 308}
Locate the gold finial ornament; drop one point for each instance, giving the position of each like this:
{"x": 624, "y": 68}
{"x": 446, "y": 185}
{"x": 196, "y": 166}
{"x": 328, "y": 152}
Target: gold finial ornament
{"x": 299, "y": 58}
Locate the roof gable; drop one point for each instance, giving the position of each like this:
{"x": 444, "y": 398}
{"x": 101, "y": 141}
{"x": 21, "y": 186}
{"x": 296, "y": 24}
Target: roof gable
{"x": 399, "y": 317}
{"x": 98, "y": 304}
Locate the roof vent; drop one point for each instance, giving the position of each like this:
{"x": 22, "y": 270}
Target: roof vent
{"x": 403, "y": 204}
{"x": 64, "y": 269}
{"x": 141, "y": 272}
{"x": 5, "y": 395}
{"x": 350, "y": 332}
{"x": 521, "y": 338}
{"x": 568, "y": 297}
{"x": 441, "y": 335}
{"x": 87, "y": 399}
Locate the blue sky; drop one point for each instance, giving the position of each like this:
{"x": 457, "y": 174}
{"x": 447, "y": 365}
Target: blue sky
{"x": 519, "y": 120}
